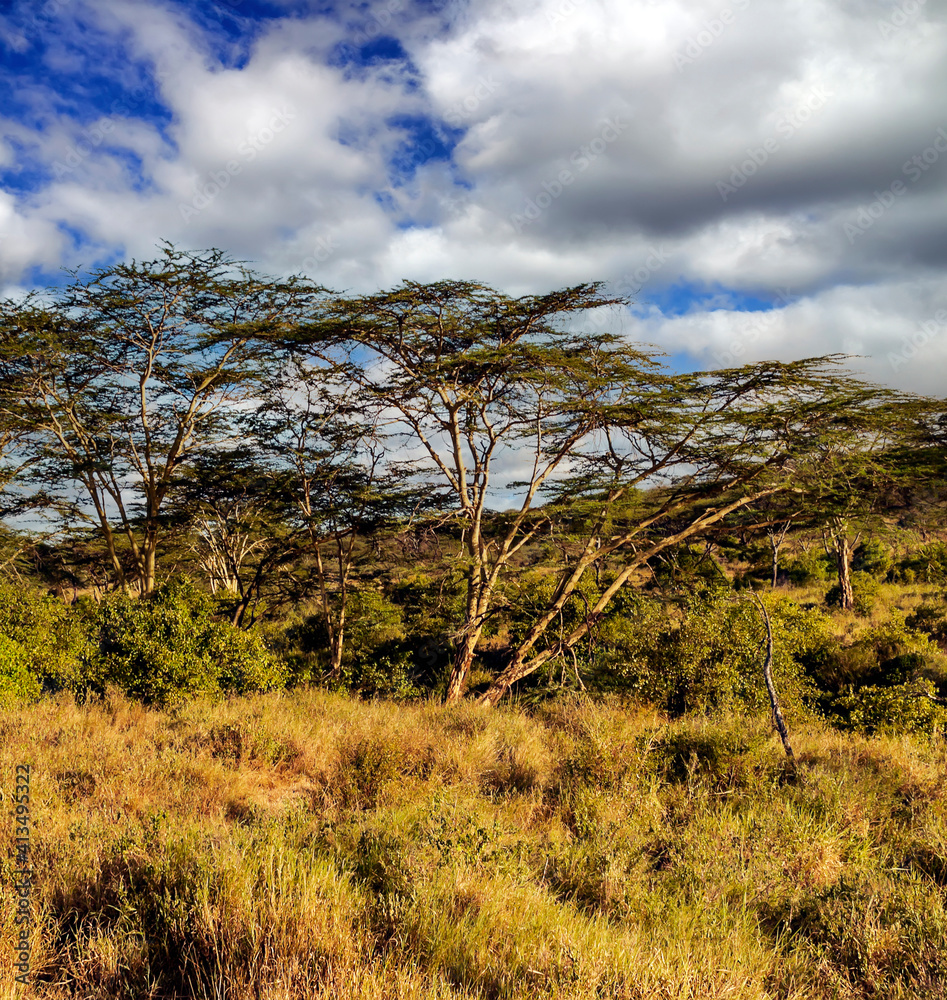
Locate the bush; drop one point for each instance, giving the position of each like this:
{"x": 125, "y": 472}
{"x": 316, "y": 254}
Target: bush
{"x": 706, "y": 654}
{"x": 376, "y": 656}
{"x": 17, "y": 681}
{"x": 874, "y": 558}
{"x": 686, "y": 565}
{"x": 931, "y": 620}
{"x": 712, "y": 657}
{"x": 57, "y": 637}
{"x": 880, "y": 682}
{"x": 892, "y": 710}
{"x": 811, "y": 566}
{"x": 168, "y": 646}
{"x": 928, "y": 564}
{"x": 432, "y": 608}
{"x": 375, "y": 660}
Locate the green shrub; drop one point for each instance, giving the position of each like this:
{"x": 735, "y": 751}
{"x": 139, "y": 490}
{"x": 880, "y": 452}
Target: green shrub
{"x": 811, "y": 566}
{"x": 929, "y": 619}
{"x": 890, "y": 709}
{"x": 687, "y": 565}
{"x": 57, "y": 637}
{"x": 711, "y": 656}
{"x": 375, "y": 660}
{"x": 168, "y": 646}
{"x": 879, "y": 682}
{"x": 373, "y": 622}
{"x": 432, "y": 607}
{"x": 17, "y": 681}
{"x": 927, "y": 564}
{"x": 376, "y": 656}
{"x": 874, "y": 558}
{"x": 704, "y": 653}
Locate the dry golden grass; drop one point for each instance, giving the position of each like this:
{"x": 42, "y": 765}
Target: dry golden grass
{"x": 311, "y": 845}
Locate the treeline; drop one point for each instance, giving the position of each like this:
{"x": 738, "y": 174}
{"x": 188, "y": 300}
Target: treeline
{"x": 288, "y": 446}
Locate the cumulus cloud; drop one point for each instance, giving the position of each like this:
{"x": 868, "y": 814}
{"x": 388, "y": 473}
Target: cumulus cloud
{"x": 751, "y": 172}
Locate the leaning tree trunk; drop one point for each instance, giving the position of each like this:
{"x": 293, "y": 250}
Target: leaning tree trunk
{"x": 479, "y": 596}
{"x": 770, "y": 687}
{"x": 463, "y": 661}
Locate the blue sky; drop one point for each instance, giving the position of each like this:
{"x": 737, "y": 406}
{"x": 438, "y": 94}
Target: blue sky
{"x": 765, "y": 180}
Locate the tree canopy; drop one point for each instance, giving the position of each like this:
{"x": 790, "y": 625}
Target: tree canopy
{"x": 278, "y": 428}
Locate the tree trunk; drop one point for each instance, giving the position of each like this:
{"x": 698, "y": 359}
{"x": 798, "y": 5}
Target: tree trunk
{"x": 843, "y": 559}
{"x": 770, "y": 687}
{"x": 516, "y": 670}
{"x": 337, "y": 645}
{"x": 462, "y": 663}
{"x": 479, "y": 595}
{"x": 149, "y": 565}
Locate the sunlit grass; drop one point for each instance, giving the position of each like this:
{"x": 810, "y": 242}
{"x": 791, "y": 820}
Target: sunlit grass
{"x": 311, "y": 845}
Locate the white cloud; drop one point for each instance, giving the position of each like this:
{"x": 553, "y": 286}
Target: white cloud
{"x": 808, "y": 112}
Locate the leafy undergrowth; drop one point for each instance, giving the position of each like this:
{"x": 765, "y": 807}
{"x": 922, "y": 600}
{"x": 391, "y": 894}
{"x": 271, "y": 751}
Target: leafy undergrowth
{"x": 311, "y": 845}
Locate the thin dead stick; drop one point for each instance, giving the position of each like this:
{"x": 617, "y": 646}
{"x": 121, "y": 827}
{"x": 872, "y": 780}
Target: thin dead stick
{"x": 768, "y": 674}
{"x": 929, "y": 697}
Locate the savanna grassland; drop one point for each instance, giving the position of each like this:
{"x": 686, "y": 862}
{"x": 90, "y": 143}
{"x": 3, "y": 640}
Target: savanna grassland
{"x": 308, "y": 844}
{"x": 412, "y": 645}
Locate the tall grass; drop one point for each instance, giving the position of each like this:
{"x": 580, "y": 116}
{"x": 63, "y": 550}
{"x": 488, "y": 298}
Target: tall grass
{"x": 311, "y": 845}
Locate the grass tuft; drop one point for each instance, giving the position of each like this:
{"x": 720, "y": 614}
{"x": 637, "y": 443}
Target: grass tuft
{"x": 311, "y": 845}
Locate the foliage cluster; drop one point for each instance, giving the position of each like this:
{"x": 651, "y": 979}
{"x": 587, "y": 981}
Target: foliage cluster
{"x": 44, "y": 645}
{"x": 161, "y": 649}
{"x": 169, "y": 646}
{"x": 686, "y": 651}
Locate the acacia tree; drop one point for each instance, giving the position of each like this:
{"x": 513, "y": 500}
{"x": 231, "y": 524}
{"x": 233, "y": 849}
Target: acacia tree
{"x": 865, "y": 465}
{"x": 339, "y": 484}
{"x": 121, "y": 378}
{"x": 466, "y": 376}
{"x": 234, "y": 510}
{"x": 676, "y": 466}
{"x": 641, "y": 458}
